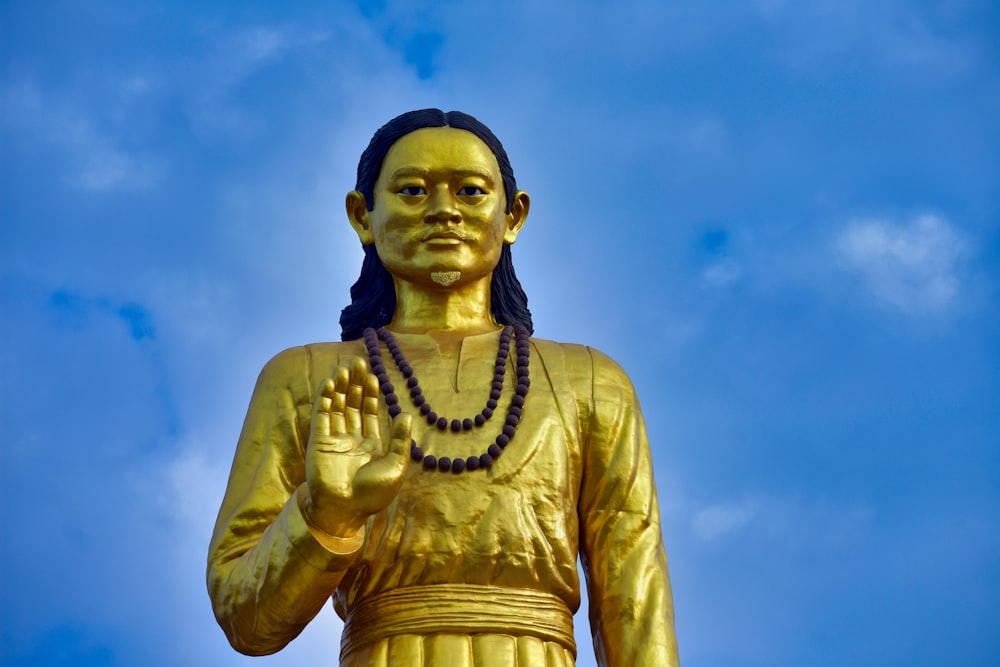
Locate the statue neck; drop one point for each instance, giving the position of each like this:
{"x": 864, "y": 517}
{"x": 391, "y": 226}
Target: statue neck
{"x": 454, "y": 311}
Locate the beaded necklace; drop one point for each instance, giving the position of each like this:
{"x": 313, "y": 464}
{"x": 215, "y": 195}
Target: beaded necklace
{"x": 430, "y": 462}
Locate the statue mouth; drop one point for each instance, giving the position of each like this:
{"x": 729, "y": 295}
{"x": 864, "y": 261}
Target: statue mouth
{"x": 444, "y": 237}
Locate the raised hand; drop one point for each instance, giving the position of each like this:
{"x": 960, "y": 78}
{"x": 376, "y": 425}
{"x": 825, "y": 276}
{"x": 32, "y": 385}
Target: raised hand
{"x": 349, "y": 474}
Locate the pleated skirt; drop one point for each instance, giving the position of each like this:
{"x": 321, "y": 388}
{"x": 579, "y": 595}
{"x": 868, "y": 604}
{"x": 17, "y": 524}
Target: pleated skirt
{"x": 451, "y": 650}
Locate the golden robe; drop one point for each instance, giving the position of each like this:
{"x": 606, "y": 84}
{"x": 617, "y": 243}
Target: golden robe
{"x": 477, "y": 568}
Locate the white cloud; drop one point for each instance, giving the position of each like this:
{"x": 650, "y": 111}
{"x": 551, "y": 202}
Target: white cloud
{"x": 913, "y": 267}
{"x": 719, "y": 520}
{"x": 235, "y": 56}
{"x": 263, "y": 42}
{"x": 195, "y": 486}
{"x": 889, "y": 35}
{"x": 198, "y": 307}
{"x": 789, "y": 520}
{"x": 722, "y": 273}
{"x": 93, "y": 157}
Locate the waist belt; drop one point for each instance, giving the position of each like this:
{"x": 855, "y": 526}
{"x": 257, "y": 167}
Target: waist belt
{"x": 461, "y": 609}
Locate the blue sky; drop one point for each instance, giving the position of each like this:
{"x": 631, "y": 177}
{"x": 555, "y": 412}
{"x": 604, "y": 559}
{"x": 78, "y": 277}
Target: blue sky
{"x": 780, "y": 217}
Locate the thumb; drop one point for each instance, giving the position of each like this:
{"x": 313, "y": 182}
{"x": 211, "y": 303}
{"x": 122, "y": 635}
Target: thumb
{"x": 387, "y": 470}
{"x": 399, "y": 444}
{"x": 377, "y": 482}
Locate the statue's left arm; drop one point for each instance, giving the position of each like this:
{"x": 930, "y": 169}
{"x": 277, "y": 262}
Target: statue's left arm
{"x": 631, "y": 606}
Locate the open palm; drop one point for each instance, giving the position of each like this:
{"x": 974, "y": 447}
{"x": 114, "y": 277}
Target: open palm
{"x": 350, "y": 473}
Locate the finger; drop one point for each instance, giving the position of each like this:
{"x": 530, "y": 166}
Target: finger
{"x": 369, "y": 409}
{"x": 341, "y": 380}
{"x": 321, "y": 408}
{"x": 355, "y": 395}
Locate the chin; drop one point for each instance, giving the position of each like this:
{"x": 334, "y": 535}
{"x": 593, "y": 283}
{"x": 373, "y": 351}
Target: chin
{"x": 445, "y": 278}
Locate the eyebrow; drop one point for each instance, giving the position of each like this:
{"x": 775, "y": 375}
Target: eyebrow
{"x": 471, "y": 170}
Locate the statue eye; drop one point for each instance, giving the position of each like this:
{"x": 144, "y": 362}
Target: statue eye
{"x": 413, "y": 191}
{"x": 471, "y": 191}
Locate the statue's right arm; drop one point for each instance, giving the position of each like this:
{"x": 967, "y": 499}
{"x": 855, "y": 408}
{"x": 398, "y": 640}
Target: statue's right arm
{"x": 268, "y": 573}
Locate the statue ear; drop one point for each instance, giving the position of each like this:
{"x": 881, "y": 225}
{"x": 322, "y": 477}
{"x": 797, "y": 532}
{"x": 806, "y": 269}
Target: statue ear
{"x": 518, "y": 215}
{"x": 357, "y": 214}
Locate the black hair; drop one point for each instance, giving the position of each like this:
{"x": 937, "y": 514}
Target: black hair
{"x": 373, "y": 296}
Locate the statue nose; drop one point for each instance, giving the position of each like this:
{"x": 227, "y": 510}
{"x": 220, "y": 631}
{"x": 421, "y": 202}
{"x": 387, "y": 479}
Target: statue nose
{"x": 442, "y": 207}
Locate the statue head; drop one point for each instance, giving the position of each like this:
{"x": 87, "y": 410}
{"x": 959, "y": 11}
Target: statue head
{"x": 373, "y": 296}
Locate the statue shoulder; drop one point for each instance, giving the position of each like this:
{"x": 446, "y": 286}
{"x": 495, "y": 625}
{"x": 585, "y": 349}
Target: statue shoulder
{"x": 586, "y": 365}
{"x": 305, "y": 361}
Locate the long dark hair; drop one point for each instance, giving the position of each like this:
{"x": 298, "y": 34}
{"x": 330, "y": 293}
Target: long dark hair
{"x": 373, "y": 296}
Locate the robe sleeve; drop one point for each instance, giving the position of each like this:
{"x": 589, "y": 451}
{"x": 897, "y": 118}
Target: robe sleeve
{"x": 631, "y": 606}
{"x": 268, "y": 575}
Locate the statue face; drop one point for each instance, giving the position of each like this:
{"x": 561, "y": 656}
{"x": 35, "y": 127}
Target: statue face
{"x": 439, "y": 217}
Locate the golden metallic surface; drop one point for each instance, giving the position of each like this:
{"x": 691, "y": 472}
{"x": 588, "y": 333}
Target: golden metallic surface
{"x": 432, "y": 568}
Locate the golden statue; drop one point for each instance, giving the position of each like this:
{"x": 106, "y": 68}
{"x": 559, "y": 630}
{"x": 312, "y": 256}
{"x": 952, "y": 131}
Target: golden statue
{"x": 446, "y": 536}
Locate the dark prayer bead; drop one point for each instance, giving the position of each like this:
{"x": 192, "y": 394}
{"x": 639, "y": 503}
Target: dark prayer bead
{"x": 513, "y": 418}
